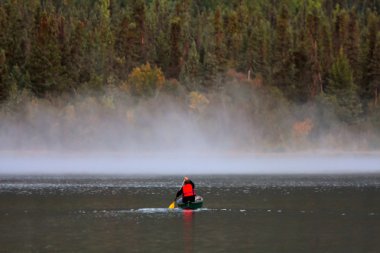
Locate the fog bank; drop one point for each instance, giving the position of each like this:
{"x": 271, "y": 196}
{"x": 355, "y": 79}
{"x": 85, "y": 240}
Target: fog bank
{"x": 154, "y": 164}
{"x": 238, "y": 130}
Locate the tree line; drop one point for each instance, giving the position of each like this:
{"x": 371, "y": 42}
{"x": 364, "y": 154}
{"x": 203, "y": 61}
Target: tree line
{"x": 324, "y": 52}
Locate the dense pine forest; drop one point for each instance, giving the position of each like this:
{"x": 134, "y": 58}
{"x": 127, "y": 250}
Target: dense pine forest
{"x": 257, "y": 74}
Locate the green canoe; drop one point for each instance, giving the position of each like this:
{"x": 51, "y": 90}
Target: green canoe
{"x": 191, "y": 205}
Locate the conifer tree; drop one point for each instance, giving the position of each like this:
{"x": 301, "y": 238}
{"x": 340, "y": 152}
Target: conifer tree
{"x": 175, "y": 48}
{"x": 78, "y": 67}
{"x": 245, "y": 24}
{"x": 261, "y": 46}
{"x": 340, "y": 31}
{"x": 219, "y": 37}
{"x": 14, "y": 36}
{"x": 313, "y": 37}
{"x": 3, "y": 75}
{"x": 101, "y": 44}
{"x": 326, "y": 51}
{"x": 190, "y": 70}
{"x": 342, "y": 91}
{"x": 159, "y": 26}
{"x": 366, "y": 91}
{"x": 352, "y": 44}
{"x": 283, "y": 62}
{"x": 374, "y": 71}
{"x": 131, "y": 38}
{"x": 45, "y": 61}
{"x": 233, "y": 38}
{"x": 183, "y": 11}
{"x": 139, "y": 15}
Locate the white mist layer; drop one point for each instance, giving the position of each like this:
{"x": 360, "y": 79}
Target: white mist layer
{"x": 239, "y": 130}
{"x": 191, "y": 164}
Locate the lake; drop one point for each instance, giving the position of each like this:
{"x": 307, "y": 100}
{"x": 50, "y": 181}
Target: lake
{"x": 242, "y": 213}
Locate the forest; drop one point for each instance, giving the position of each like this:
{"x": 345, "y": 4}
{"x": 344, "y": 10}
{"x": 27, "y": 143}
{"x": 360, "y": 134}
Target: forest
{"x": 252, "y": 74}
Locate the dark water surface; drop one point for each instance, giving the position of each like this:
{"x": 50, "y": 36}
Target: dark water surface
{"x": 240, "y": 214}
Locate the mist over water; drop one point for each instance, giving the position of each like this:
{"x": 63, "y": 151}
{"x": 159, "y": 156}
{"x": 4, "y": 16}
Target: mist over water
{"x": 162, "y": 136}
{"x": 106, "y": 163}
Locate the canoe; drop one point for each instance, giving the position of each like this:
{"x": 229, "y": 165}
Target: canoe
{"x": 191, "y": 205}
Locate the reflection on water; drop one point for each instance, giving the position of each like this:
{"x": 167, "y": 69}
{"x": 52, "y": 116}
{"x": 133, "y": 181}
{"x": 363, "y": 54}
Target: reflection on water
{"x": 241, "y": 214}
{"x": 188, "y": 216}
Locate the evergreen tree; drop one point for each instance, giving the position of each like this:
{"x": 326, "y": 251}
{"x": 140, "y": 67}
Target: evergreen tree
{"x": 183, "y": 12}
{"x": 366, "y": 91}
{"x": 45, "y": 61}
{"x": 283, "y": 62}
{"x": 78, "y": 67}
{"x": 14, "y": 37}
{"x": 233, "y": 38}
{"x": 340, "y": 32}
{"x": 219, "y": 37}
{"x": 245, "y": 24}
{"x": 131, "y": 38}
{"x": 303, "y": 67}
{"x": 343, "y": 92}
{"x": 101, "y": 45}
{"x": 159, "y": 25}
{"x": 352, "y": 44}
{"x": 313, "y": 37}
{"x": 139, "y": 16}
{"x": 374, "y": 71}
{"x": 190, "y": 70}
{"x": 3, "y": 75}
{"x": 176, "y": 60}
{"x": 260, "y": 40}
{"x": 123, "y": 44}
{"x": 326, "y": 51}
{"x": 209, "y": 71}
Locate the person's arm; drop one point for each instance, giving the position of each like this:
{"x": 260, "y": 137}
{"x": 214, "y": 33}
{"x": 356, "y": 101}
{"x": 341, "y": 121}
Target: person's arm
{"x": 179, "y": 193}
{"x": 191, "y": 182}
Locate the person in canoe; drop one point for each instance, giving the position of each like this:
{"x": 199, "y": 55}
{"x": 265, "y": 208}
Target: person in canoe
{"x": 187, "y": 191}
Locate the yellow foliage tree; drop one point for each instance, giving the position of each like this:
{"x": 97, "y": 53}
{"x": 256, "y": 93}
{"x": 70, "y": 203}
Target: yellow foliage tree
{"x": 145, "y": 80}
{"x": 197, "y": 101}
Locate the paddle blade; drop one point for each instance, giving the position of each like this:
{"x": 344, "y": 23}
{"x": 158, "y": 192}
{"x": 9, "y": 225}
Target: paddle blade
{"x": 172, "y": 205}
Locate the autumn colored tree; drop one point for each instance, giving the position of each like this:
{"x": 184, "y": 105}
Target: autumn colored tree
{"x": 146, "y": 81}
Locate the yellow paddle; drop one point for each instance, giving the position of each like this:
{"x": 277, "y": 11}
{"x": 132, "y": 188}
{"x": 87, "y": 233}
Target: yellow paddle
{"x": 172, "y": 205}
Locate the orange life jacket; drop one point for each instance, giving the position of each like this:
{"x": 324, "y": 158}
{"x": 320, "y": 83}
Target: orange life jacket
{"x": 187, "y": 190}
